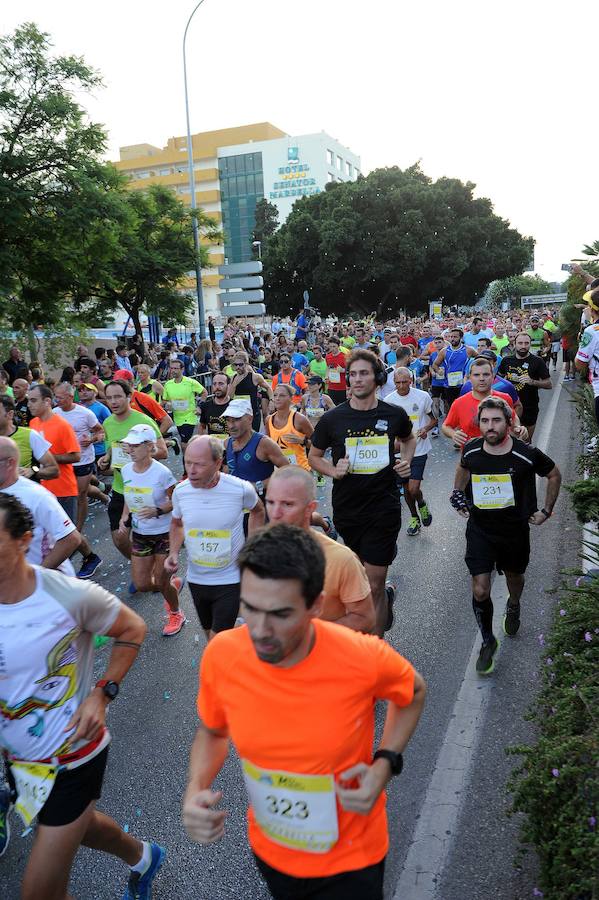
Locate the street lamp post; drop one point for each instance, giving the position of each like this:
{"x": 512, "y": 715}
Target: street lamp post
{"x": 192, "y": 191}
{"x": 258, "y": 245}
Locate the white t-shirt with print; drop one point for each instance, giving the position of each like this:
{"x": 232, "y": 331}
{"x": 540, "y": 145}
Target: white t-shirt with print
{"x": 418, "y": 404}
{"x": 82, "y": 420}
{"x": 50, "y": 521}
{"x": 148, "y": 489}
{"x": 46, "y": 662}
{"x": 213, "y": 527}
{"x": 588, "y": 352}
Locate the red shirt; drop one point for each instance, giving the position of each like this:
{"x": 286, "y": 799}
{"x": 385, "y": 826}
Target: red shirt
{"x": 339, "y": 359}
{"x": 408, "y": 341}
{"x": 464, "y": 410}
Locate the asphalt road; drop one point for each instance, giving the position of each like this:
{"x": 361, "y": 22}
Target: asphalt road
{"x": 154, "y": 719}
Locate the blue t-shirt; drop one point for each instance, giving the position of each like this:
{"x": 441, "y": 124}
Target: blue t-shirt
{"x": 437, "y": 382}
{"x": 417, "y": 367}
{"x": 302, "y": 325}
{"x": 472, "y": 358}
{"x": 423, "y": 343}
{"x": 471, "y": 340}
{"x": 299, "y": 361}
{"x": 101, "y": 412}
{"x": 500, "y": 384}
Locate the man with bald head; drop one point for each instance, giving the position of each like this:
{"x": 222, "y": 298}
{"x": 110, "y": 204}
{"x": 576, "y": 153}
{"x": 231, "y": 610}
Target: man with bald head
{"x": 291, "y": 500}
{"x": 22, "y": 416}
{"x": 55, "y": 537}
{"x": 419, "y": 407}
{"x": 208, "y": 509}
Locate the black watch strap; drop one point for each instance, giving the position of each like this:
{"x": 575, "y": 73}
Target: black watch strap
{"x": 395, "y": 760}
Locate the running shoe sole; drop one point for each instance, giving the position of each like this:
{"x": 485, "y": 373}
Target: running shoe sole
{"x": 390, "y": 595}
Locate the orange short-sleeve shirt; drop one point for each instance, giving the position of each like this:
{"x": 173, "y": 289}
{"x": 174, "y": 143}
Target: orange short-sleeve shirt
{"x": 309, "y": 720}
{"x": 63, "y": 439}
{"x": 345, "y": 580}
{"x": 463, "y": 413}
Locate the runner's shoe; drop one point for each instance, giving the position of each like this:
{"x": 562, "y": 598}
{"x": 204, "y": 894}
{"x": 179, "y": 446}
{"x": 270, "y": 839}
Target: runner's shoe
{"x": 321, "y": 481}
{"x": 486, "y": 662}
{"x": 390, "y": 593}
{"x": 89, "y": 566}
{"x": 140, "y": 884}
{"x": 511, "y": 619}
{"x": 176, "y": 621}
{"x": 5, "y": 808}
{"x": 332, "y": 532}
{"x": 414, "y": 526}
{"x": 435, "y": 431}
{"x": 425, "y": 515}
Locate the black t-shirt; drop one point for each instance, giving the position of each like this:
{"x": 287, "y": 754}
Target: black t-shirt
{"x": 270, "y": 369}
{"x": 368, "y": 438}
{"x": 212, "y": 416}
{"x": 512, "y": 367}
{"x": 22, "y": 416}
{"x": 519, "y": 468}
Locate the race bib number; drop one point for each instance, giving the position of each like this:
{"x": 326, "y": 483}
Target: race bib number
{"x": 367, "y": 455}
{"x": 291, "y": 457}
{"x": 119, "y": 456}
{"x": 180, "y": 405}
{"x": 415, "y": 419}
{"x": 334, "y": 376}
{"x": 454, "y": 379}
{"x": 210, "y": 549}
{"x": 138, "y": 498}
{"x": 34, "y": 782}
{"x": 492, "y": 491}
{"x": 296, "y": 811}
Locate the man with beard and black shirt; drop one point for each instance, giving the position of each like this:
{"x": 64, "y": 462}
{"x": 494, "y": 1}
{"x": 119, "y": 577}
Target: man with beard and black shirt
{"x": 528, "y": 373}
{"x": 364, "y": 434}
{"x": 20, "y": 387}
{"x": 212, "y": 410}
{"x": 495, "y": 490}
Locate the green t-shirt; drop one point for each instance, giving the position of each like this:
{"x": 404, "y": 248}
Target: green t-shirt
{"x": 182, "y": 399}
{"x": 309, "y": 355}
{"x": 348, "y": 341}
{"x": 117, "y": 431}
{"x": 318, "y": 367}
{"x": 549, "y": 325}
{"x": 537, "y": 338}
{"x": 500, "y": 342}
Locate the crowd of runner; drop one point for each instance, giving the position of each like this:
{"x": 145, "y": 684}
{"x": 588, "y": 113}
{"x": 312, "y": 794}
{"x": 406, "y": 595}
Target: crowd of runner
{"x": 264, "y": 419}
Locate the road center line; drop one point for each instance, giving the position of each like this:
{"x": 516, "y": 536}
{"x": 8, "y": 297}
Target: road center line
{"x": 435, "y": 829}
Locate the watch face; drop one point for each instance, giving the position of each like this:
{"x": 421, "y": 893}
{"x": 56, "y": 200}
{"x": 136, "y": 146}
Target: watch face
{"x": 111, "y": 689}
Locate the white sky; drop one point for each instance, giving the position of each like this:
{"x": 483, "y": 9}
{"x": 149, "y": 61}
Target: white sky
{"x": 498, "y": 93}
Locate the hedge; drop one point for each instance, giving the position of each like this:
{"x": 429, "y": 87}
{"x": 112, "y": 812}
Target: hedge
{"x": 556, "y": 785}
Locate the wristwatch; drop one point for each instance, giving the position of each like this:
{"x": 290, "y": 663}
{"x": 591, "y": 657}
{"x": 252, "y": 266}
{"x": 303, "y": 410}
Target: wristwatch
{"x": 395, "y": 760}
{"x": 159, "y": 512}
{"x": 110, "y": 689}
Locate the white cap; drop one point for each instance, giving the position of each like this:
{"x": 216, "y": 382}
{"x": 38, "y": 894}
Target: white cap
{"x": 139, "y": 434}
{"x": 238, "y": 408}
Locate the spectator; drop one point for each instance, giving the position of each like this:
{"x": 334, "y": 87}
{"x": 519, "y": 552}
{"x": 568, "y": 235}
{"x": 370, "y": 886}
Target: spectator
{"x": 15, "y": 366}
{"x": 4, "y": 386}
{"x": 121, "y": 359}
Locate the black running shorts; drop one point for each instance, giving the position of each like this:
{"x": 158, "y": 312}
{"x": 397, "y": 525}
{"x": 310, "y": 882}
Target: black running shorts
{"x": 486, "y": 550}
{"x": 375, "y": 541}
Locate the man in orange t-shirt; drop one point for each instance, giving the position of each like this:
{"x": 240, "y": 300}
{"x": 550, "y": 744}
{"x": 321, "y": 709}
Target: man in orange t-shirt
{"x": 64, "y": 447}
{"x": 317, "y": 814}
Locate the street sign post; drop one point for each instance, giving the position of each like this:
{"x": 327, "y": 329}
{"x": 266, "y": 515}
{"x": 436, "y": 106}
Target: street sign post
{"x": 243, "y": 292}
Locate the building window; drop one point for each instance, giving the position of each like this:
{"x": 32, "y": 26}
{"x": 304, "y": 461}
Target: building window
{"x": 339, "y": 163}
{"x": 357, "y": 173}
{"x": 348, "y": 169}
{"x": 165, "y": 171}
{"x": 330, "y": 158}
{"x": 330, "y": 177}
{"x": 241, "y": 184}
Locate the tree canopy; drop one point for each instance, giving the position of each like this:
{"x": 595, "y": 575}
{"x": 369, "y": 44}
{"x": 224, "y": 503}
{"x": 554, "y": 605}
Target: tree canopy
{"x": 156, "y": 250}
{"x": 74, "y": 242}
{"x": 390, "y": 240}
{"x": 517, "y": 286}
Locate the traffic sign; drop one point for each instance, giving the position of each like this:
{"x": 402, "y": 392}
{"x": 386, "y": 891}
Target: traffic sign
{"x": 241, "y": 296}
{"x": 250, "y": 281}
{"x": 244, "y": 309}
{"x": 254, "y": 267}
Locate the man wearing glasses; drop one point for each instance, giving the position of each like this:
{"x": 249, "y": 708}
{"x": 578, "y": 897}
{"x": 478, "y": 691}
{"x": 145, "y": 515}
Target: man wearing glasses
{"x": 247, "y": 384}
{"x": 288, "y": 375}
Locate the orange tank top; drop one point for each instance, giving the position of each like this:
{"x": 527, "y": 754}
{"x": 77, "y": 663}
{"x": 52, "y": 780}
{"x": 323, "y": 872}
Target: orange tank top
{"x": 296, "y": 453}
